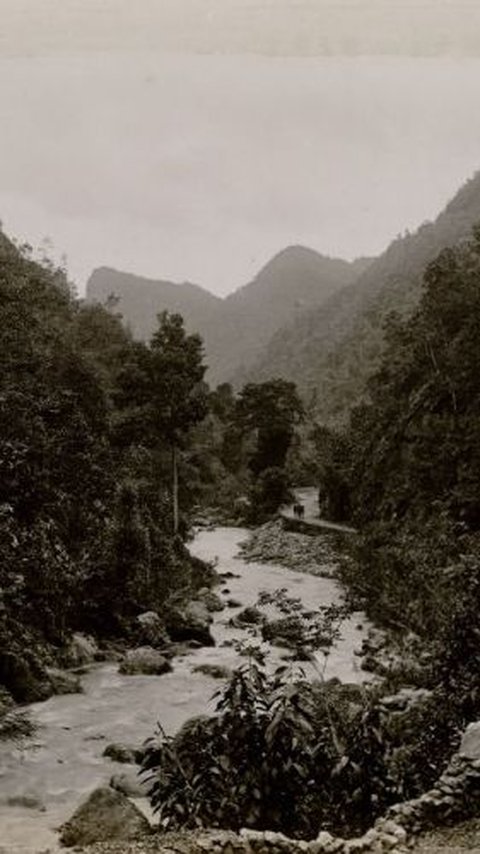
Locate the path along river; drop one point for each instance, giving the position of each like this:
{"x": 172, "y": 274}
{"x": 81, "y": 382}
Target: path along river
{"x": 63, "y": 761}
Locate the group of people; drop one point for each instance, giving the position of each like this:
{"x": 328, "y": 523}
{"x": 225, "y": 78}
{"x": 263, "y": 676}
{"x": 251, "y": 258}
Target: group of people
{"x": 298, "y": 511}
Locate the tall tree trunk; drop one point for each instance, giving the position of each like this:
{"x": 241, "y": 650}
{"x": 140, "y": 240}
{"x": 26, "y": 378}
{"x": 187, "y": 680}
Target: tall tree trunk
{"x": 175, "y": 488}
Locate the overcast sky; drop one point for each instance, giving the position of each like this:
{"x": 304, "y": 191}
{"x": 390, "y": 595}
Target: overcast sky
{"x": 194, "y": 139}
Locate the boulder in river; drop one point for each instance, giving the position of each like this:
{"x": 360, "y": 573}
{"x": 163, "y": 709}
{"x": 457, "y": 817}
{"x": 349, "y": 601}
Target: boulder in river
{"x": 192, "y": 622}
{"x": 216, "y": 671}
{"x": 144, "y": 660}
{"x": 212, "y": 600}
{"x": 63, "y": 682}
{"x": 151, "y": 630}
{"x": 285, "y": 631}
{"x": 250, "y": 616}
{"x": 24, "y": 678}
{"x": 81, "y": 649}
{"x": 124, "y": 753}
{"x": 130, "y": 783}
{"x": 105, "y": 815}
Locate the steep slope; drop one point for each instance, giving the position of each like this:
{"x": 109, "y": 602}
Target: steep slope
{"x": 296, "y": 280}
{"x": 330, "y": 352}
{"x": 237, "y": 328}
{"x": 141, "y": 299}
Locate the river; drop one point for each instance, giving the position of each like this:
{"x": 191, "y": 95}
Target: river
{"x": 63, "y": 761}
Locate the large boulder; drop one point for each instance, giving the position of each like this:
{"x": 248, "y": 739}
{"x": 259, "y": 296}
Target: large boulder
{"x": 285, "y": 631}
{"x": 130, "y": 783}
{"x": 210, "y": 599}
{"x": 124, "y": 753}
{"x": 63, "y": 682}
{"x": 470, "y": 745}
{"x": 216, "y": 671}
{"x": 24, "y": 678}
{"x": 105, "y": 815}
{"x": 250, "y": 616}
{"x": 192, "y": 622}
{"x": 151, "y": 631}
{"x": 144, "y": 660}
{"x": 81, "y": 649}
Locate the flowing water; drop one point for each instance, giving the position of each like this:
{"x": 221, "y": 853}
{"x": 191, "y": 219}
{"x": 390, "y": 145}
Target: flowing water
{"x": 63, "y": 761}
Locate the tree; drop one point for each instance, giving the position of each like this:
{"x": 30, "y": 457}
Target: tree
{"x": 179, "y": 397}
{"x": 270, "y": 409}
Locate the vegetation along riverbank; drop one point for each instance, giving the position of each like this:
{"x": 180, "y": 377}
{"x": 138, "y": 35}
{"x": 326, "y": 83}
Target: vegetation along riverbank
{"x": 111, "y": 447}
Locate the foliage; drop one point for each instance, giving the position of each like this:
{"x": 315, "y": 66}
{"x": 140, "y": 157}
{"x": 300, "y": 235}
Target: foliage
{"x": 177, "y": 396}
{"x": 413, "y": 469}
{"x": 333, "y": 456}
{"x": 85, "y": 499}
{"x": 281, "y": 753}
{"x": 271, "y": 409}
{"x": 268, "y": 492}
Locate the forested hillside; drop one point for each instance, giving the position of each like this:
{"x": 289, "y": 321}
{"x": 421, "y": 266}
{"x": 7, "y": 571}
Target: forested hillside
{"x": 329, "y": 352}
{"x": 235, "y": 329}
{"x": 88, "y": 422}
{"x": 411, "y": 464}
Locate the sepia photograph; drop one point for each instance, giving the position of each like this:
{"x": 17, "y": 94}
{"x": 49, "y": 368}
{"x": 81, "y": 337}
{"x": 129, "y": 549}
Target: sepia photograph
{"x": 239, "y": 426}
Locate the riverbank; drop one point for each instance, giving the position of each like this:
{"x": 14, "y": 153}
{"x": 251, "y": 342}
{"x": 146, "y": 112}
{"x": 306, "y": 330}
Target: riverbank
{"x": 272, "y": 543}
{"x": 55, "y": 770}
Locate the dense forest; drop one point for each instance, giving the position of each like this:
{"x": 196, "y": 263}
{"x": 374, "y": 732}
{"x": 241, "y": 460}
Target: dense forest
{"x": 90, "y": 423}
{"x": 407, "y": 471}
{"x": 330, "y": 351}
{"x": 110, "y": 448}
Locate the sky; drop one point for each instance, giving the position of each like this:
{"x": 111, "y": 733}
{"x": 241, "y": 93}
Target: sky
{"x": 192, "y": 140}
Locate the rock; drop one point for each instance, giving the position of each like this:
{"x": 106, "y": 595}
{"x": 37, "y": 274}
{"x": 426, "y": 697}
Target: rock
{"x": 285, "y": 631}
{"x": 190, "y": 623}
{"x": 144, "y": 660}
{"x": 24, "y": 678}
{"x": 405, "y": 699}
{"x": 130, "y": 784}
{"x": 250, "y": 616}
{"x": 63, "y": 682}
{"x": 217, "y": 671}
{"x": 124, "y": 753}
{"x": 211, "y": 600}
{"x": 151, "y": 630}
{"x": 81, "y": 649}
{"x": 233, "y": 603}
{"x": 470, "y": 744}
{"x": 105, "y": 815}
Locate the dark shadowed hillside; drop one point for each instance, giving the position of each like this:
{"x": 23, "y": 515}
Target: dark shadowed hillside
{"x": 329, "y": 352}
{"x": 235, "y": 329}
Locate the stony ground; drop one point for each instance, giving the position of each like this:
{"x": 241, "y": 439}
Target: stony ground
{"x": 194, "y": 842}
{"x": 455, "y": 840}
{"x": 313, "y": 554}
{"x": 450, "y": 840}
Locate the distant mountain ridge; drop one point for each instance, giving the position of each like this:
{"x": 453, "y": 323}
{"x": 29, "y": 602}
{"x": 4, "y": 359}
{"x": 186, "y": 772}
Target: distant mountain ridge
{"x": 314, "y": 320}
{"x": 140, "y": 299}
{"x": 237, "y": 328}
{"x": 330, "y": 351}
